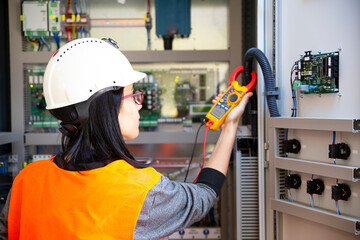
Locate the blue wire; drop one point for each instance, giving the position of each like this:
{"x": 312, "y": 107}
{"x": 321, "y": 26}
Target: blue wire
{"x": 287, "y": 133}
{"x": 337, "y": 180}
{"x": 337, "y": 207}
{"x": 43, "y": 41}
{"x": 57, "y": 39}
{"x": 75, "y": 3}
{"x": 294, "y": 102}
{"x": 334, "y": 140}
{"x": 290, "y": 198}
{"x": 148, "y": 37}
{"x": 81, "y": 7}
{"x": 312, "y": 200}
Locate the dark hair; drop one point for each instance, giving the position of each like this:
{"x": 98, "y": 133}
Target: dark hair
{"x": 99, "y": 140}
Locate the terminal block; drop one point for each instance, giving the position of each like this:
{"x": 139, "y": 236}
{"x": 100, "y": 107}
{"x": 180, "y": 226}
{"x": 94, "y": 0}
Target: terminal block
{"x": 315, "y": 186}
{"x": 340, "y": 192}
{"x": 292, "y": 181}
{"x": 339, "y": 150}
{"x": 292, "y": 146}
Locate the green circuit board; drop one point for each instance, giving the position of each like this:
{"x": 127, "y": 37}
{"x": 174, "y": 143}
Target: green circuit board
{"x": 40, "y": 117}
{"x": 318, "y": 73}
{"x": 151, "y": 108}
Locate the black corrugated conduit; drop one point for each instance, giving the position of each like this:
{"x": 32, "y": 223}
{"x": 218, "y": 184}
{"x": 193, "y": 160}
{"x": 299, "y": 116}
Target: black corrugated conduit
{"x": 268, "y": 76}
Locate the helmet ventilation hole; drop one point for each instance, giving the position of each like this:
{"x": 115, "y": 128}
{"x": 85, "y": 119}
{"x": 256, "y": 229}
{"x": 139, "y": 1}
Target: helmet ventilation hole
{"x": 78, "y": 43}
{"x": 90, "y": 90}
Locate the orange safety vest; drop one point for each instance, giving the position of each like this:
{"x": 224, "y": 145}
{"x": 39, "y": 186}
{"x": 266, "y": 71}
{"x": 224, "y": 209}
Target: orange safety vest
{"x": 48, "y": 202}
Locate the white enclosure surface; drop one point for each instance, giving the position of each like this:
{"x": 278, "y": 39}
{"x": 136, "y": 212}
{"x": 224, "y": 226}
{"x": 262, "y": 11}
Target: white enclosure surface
{"x": 320, "y": 26}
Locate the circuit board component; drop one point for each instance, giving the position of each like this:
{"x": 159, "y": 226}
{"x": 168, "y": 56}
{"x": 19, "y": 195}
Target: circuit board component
{"x": 318, "y": 73}
{"x": 150, "y": 112}
{"x": 39, "y": 117}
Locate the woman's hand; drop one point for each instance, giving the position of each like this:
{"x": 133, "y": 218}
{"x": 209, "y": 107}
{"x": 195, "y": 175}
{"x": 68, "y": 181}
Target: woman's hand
{"x": 234, "y": 116}
{"x": 220, "y": 156}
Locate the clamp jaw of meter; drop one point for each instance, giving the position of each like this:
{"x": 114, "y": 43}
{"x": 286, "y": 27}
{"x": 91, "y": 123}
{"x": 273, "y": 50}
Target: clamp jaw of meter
{"x": 229, "y": 99}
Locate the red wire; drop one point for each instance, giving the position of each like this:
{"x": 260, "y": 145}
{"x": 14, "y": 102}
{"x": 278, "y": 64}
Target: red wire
{"x": 204, "y": 153}
{"x": 68, "y": 8}
{"x": 148, "y": 6}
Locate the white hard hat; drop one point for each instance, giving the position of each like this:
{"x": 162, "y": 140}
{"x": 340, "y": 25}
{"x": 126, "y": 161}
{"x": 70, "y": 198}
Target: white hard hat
{"x": 83, "y": 67}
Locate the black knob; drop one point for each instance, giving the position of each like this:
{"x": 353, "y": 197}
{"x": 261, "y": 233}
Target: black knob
{"x": 340, "y": 192}
{"x": 315, "y": 186}
{"x": 233, "y": 98}
{"x": 292, "y": 146}
{"x": 292, "y": 181}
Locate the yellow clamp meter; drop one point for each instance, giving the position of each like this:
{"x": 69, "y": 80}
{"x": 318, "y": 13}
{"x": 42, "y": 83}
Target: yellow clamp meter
{"x": 229, "y": 99}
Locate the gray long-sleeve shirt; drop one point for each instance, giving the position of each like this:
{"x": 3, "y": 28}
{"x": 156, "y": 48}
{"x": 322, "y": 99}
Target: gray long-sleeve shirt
{"x": 168, "y": 206}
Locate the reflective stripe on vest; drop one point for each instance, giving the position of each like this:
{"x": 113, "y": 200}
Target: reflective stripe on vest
{"x": 48, "y": 202}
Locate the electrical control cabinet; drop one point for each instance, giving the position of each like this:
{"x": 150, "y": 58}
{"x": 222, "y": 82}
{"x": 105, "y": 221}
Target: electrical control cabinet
{"x": 177, "y": 91}
{"x": 312, "y": 192}
{"x": 306, "y": 189}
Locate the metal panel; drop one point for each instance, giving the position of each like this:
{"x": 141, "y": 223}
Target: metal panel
{"x": 9, "y": 137}
{"x": 340, "y": 124}
{"x": 323, "y": 169}
{"x": 178, "y": 56}
{"x": 340, "y": 222}
{"x": 247, "y": 191}
{"x": 16, "y": 76}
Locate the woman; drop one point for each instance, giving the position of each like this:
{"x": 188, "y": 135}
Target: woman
{"x": 94, "y": 188}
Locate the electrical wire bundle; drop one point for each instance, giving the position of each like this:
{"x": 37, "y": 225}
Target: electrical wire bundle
{"x": 74, "y": 26}
{"x": 293, "y": 114}
{"x": 40, "y": 42}
{"x": 293, "y": 95}
{"x": 293, "y": 91}
{"x": 69, "y": 36}
{"x": 83, "y": 32}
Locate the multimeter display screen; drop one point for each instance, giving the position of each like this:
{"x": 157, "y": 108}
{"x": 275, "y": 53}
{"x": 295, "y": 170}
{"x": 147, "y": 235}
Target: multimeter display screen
{"x": 217, "y": 112}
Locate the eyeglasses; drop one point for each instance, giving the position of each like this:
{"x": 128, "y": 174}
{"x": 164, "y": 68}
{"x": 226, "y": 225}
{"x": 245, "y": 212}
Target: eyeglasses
{"x": 138, "y": 96}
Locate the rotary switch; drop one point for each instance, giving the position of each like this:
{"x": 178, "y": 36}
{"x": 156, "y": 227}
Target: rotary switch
{"x": 233, "y": 98}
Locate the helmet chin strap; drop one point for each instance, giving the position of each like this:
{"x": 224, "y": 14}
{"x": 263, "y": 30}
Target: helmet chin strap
{"x": 68, "y": 129}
